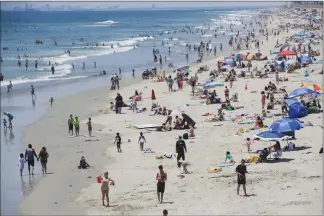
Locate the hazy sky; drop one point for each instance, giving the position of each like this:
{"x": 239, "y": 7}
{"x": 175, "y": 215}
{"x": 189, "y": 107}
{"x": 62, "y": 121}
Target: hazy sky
{"x": 90, "y": 5}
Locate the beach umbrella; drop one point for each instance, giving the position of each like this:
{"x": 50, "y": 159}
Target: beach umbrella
{"x": 287, "y": 53}
{"x": 176, "y": 112}
{"x": 153, "y": 95}
{"x": 286, "y": 125}
{"x": 271, "y": 136}
{"x": 314, "y": 87}
{"x": 301, "y": 91}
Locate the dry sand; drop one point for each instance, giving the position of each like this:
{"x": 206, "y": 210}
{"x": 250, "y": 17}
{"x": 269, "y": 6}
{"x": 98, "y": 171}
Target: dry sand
{"x": 291, "y": 186}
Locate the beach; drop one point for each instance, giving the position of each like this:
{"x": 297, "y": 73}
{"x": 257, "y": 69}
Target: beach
{"x": 290, "y": 185}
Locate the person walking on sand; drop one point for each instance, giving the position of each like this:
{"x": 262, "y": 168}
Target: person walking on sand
{"x": 32, "y": 91}
{"x": 89, "y": 127}
{"x": 21, "y": 163}
{"x": 105, "y": 188}
{"x": 181, "y": 148}
{"x": 51, "y": 100}
{"x": 241, "y": 179}
{"x": 70, "y": 124}
{"x": 161, "y": 177}
{"x": 263, "y": 99}
{"x": 118, "y": 141}
{"x": 43, "y": 156}
{"x": 76, "y": 126}
{"x": 30, "y": 156}
{"x": 226, "y": 93}
{"x": 141, "y": 141}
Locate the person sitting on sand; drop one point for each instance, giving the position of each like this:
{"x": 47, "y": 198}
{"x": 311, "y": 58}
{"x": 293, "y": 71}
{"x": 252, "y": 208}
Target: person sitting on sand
{"x": 83, "y": 163}
{"x": 290, "y": 146}
{"x": 229, "y": 158}
{"x": 191, "y": 132}
{"x": 276, "y": 147}
{"x": 258, "y": 123}
{"x": 178, "y": 124}
{"x": 105, "y": 188}
{"x": 264, "y": 154}
{"x": 164, "y": 111}
{"x": 112, "y": 106}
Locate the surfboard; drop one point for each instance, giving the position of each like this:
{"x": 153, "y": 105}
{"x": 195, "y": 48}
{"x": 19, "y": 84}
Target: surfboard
{"x": 224, "y": 165}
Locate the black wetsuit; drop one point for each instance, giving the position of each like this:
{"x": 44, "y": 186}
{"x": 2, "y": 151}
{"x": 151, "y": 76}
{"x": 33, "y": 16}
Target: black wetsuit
{"x": 181, "y": 149}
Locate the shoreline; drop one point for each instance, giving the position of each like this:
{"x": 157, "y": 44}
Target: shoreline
{"x": 90, "y": 101}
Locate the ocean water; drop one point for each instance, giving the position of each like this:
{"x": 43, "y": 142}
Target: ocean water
{"x": 122, "y": 29}
{"x": 131, "y": 50}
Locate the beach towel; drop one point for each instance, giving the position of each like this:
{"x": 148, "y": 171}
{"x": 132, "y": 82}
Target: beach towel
{"x": 246, "y": 122}
{"x": 214, "y": 170}
{"x": 148, "y": 150}
{"x": 254, "y": 159}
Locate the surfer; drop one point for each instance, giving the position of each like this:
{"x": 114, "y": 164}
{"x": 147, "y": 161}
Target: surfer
{"x": 51, "y": 100}
{"x": 32, "y": 91}
{"x": 36, "y": 64}
{"x": 94, "y": 64}
{"x": 53, "y": 69}
{"x": 83, "y": 65}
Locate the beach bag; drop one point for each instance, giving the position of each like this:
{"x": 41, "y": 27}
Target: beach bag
{"x": 185, "y": 136}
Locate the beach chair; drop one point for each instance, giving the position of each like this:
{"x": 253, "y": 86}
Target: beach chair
{"x": 277, "y": 155}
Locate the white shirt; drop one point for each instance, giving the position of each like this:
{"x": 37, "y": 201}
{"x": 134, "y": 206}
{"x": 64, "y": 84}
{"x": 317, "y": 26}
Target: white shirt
{"x": 290, "y": 146}
{"x": 21, "y": 163}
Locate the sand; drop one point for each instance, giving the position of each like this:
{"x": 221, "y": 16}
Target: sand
{"x": 291, "y": 186}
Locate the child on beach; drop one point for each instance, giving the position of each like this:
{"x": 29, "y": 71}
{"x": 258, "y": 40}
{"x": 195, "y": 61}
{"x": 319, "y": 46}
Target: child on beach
{"x": 118, "y": 141}
{"x": 248, "y": 144}
{"x": 170, "y": 83}
{"x": 141, "y": 141}
{"x": 229, "y": 158}
{"x": 21, "y": 163}
{"x": 76, "y": 126}
{"x": 112, "y": 106}
{"x": 89, "y": 127}
{"x": 51, "y": 100}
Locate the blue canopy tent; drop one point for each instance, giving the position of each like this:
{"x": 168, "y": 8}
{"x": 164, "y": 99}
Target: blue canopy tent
{"x": 301, "y": 91}
{"x": 297, "y": 110}
{"x": 271, "y": 136}
{"x": 306, "y": 59}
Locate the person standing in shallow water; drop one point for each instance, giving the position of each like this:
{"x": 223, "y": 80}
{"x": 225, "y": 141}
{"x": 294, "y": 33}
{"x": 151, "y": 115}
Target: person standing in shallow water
{"x": 43, "y": 156}
{"x": 161, "y": 177}
{"x": 241, "y": 179}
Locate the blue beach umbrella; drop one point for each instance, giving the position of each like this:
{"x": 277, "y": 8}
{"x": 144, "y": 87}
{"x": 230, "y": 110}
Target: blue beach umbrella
{"x": 271, "y": 136}
{"x": 286, "y": 125}
{"x": 301, "y": 91}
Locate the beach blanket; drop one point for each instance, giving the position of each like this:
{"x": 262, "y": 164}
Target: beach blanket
{"x": 144, "y": 126}
{"x": 148, "y": 150}
{"x": 214, "y": 170}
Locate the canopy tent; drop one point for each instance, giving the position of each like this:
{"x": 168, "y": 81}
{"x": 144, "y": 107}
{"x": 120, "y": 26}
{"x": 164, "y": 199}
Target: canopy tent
{"x": 290, "y": 101}
{"x": 297, "y": 110}
{"x": 189, "y": 120}
{"x": 271, "y": 136}
{"x": 306, "y": 59}
{"x": 301, "y": 91}
{"x": 230, "y": 62}
{"x": 287, "y": 53}
{"x": 286, "y": 124}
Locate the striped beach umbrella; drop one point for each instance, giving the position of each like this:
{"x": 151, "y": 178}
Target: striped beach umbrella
{"x": 314, "y": 87}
